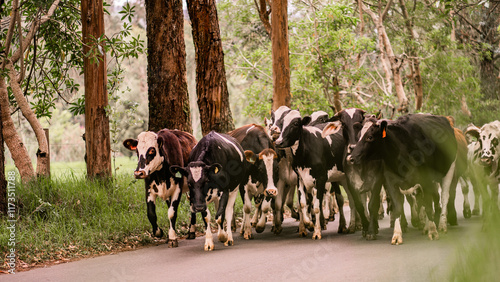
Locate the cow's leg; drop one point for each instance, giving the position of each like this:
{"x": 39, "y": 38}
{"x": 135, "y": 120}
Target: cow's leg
{"x": 397, "y": 207}
{"x": 445, "y": 196}
{"x": 340, "y": 203}
{"x": 192, "y": 227}
{"x": 258, "y": 209}
{"x": 477, "y": 194}
{"x": 374, "y": 206}
{"x": 352, "y": 221}
{"x": 266, "y": 207}
{"x": 151, "y": 210}
{"x": 381, "y": 206}
{"x": 220, "y": 216}
{"x": 173, "y": 205}
{"x": 246, "y": 227}
{"x": 452, "y": 212}
{"x": 303, "y": 206}
{"x": 465, "y": 192}
{"x": 318, "y": 192}
{"x": 333, "y": 205}
{"x": 229, "y": 216}
{"x": 431, "y": 196}
{"x": 494, "y": 195}
{"x": 326, "y": 205}
{"x": 415, "y": 219}
{"x": 209, "y": 240}
{"x": 278, "y": 213}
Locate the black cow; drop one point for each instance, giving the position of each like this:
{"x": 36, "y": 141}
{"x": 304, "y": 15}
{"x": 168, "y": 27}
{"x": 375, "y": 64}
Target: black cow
{"x": 216, "y": 168}
{"x": 156, "y": 153}
{"x": 263, "y": 178}
{"x": 316, "y": 160}
{"x": 414, "y": 151}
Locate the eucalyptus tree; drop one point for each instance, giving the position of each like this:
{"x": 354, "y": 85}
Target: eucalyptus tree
{"x": 42, "y": 56}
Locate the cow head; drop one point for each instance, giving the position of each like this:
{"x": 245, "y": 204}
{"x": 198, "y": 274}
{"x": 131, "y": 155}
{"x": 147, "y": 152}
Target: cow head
{"x": 200, "y": 178}
{"x": 149, "y": 148}
{"x": 488, "y": 138}
{"x": 292, "y": 129}
{"x": 350, "y": 121}
{"x": 266, "y": 164}
{"x": 371, "y": 137}
{"x": 275, "y": 124}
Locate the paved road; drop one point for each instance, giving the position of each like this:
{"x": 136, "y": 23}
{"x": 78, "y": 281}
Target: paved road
{"x": 278, "y": 258}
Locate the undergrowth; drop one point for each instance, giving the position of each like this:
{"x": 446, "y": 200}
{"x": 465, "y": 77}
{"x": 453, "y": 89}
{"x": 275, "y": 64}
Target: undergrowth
{"x": 71, "y": 217}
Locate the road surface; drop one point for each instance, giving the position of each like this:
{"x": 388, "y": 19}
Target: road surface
{"x": 286, "y": 257}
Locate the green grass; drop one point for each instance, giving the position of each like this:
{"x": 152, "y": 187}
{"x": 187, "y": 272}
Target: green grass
{"x": 69, "y": 216}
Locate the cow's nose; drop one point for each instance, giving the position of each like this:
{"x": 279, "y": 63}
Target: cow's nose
{"x": 349, "y": 159}
{"x": 350, "y": 148}
{"x": 139, "y": 174}
{"x": 200, "y": 208}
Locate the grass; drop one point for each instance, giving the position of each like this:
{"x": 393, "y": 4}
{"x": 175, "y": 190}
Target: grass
{"x": 70, "y": 217}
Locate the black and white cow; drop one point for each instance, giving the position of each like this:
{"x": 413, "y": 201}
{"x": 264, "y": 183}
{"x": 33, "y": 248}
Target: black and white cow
{"x": 316, "y": 160}
{"x": 414, "y": 151}
{"x": 263, "y": 178}
{"x": 217, "y": 168}
{"x": 156, "y": 153}
{"x": 287, "y": 180}
{"x": 487, "y": 155}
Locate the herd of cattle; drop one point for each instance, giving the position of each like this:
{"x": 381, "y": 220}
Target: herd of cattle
{"x": 418, "y": 157}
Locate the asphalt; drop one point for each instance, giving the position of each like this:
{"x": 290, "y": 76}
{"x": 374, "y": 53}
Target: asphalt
{"x": 284, "y": 257}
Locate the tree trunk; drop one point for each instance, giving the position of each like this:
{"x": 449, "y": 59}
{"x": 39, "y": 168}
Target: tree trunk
{"x": 3, "y": 183}
{"x": 97, "y": 140}
{"x": 42, "y": 155}
{"x": 414, "y": 61}
{"x": 395, "y": 62}
{"x": 167, "y": 79}
{"x": 19, "y": 152}
{"x": 281, "y": 60}
{"x": 490, "y": 85}
{"x": 211, "y": 84}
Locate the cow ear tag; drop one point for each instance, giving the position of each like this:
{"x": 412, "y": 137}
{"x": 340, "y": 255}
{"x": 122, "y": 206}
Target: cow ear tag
{"x": 384, "y": 133}
{"x": 216, "y": 170}
{"x": 178, "y": 175}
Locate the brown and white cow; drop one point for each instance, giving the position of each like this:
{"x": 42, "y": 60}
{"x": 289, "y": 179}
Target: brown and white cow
{"x": 263, "y": 179}
{"x": 156, "y": 153}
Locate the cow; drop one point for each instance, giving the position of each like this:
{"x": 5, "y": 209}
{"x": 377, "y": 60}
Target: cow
{"x": 263, "y": 178}
{"x": 287, "y": 180}
{"x": 316, "y": 160}
{"x": 216, "y": 169}
{"x": 156, "y": 152}
{"x": 415, "y": 151}
{"x": 488, "y": 155}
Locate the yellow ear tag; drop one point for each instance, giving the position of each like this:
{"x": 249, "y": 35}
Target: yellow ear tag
{"x": 216, "y": 170}
{"x": 384, "y": 134}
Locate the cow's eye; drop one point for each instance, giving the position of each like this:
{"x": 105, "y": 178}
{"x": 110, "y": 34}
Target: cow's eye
{"x": 296, "y": 123}
{"x": 151, "y": 152}
{"x": 494, "y": 142}
{"x": 369, "y": 138}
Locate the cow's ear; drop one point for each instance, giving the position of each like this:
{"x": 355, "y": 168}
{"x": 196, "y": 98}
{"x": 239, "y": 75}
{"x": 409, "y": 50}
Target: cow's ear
{"x": 130, "y": 144}
{"x": 215, "y": 168}
{"x": 250, "y": 156}
{"x": 267, "y": 122}
{"x": 383, "y": 128}
{"x": 306, "y": 120}
{"x": 473, "y": 131}
{"x": 331, "y": 128}
{"x": 336, "y": 117}
{"x": 178, "y": 172}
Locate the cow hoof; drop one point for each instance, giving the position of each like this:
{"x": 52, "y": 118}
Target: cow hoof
{"x": 397, "y": 239}
{"x": 381, "y": 216}
{"x": 172, "y": 243}
{"x": 209, "y": 247}
{"x": 158, "y": 233}
{"x": 351, "y": 229}
{"x": 191, "y": 236}
{"x": 343, "y": 230}
{"x": 302, "y": 233}
{"x": 316, "y": 236}
{"x": 254, "y": 224}
{"x": 295, "y": 214}
{"x": 277, "y": 230}
{"x": 475, "y": 212}
{"x": 467, "y": 213}
{"x": 229, "y": 243}
{"x": 433, "y": 236}
{"x": 260, "y": 229}
{"x": 332, "y": 217}
{"x": 248, "y": 236}
{"x": 370, "y": 237}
